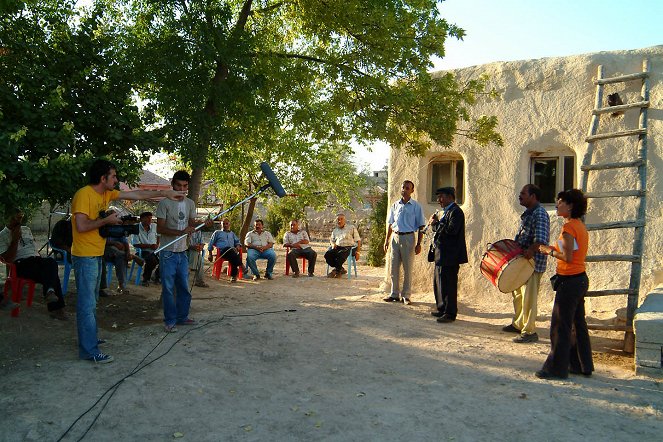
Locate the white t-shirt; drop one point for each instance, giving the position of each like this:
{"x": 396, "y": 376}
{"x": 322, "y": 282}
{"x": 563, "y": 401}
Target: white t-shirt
{"x": 26, "y": 244}
{"x": 177, "y": 215}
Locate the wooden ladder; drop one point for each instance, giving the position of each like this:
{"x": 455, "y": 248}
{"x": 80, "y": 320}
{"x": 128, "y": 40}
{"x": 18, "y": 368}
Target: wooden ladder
{"x": 640, "y": 162}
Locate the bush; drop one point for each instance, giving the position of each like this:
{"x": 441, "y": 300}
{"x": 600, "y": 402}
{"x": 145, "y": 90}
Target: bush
{"x": 375, "y": 256}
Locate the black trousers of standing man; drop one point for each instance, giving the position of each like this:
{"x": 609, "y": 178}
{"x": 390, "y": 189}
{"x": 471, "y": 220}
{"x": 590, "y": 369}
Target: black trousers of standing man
{"x": 445, "y": 287}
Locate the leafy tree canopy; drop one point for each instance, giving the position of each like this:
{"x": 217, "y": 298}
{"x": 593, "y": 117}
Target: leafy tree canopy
{"x": 296, "y": 82}
{"x": 65, "y": 98}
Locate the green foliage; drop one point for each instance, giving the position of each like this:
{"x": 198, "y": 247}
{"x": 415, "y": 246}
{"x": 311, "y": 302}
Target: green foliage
{"x": 65, "y": 98}
{"x": 295, "y": 83}
{"x": 279, "y": 214}
{"x": 375, "y": 256}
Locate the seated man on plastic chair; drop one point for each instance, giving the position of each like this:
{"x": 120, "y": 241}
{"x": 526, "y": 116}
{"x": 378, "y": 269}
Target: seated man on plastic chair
{"x": 298, "y": 241}
{"x": 17, "y": 245}
{"x": 61, "y": 236}
{"x": 260, "y": 245}
{"x": 343, "y": 238}
{"x": 228, "y": 248}
{"x": 117, "y": 253}
{"x": 147, "y": 242}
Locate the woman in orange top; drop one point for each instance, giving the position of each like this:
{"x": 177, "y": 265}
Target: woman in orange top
{"x": 570, "y": 352}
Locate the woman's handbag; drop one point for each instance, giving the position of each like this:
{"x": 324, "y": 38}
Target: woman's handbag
{"x": 555, "y": 281}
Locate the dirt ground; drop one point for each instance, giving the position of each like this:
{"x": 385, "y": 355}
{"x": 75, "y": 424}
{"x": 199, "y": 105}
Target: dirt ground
{"x": 309, "y": 359}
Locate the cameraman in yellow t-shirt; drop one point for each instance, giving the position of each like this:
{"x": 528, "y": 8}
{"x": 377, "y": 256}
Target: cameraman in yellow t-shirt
{"x": 88, "y": 246}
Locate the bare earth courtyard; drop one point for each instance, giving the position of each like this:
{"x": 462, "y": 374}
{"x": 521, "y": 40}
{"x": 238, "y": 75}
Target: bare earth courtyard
{"x": 309, "y": 359}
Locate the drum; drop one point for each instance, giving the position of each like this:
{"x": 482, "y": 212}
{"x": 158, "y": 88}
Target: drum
{"x": 504, "y": 265}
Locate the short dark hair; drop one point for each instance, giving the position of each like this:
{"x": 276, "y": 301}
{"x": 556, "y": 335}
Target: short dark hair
{"x": 11, "y": 211}
{"x": 181, "y": 175}
{"x": 144, "y": 214}
{"x": 535, "y": 190}
{"x": 447, "y": 191}
{"x": 577, "y": 200}
{"x": 258, "y": 220}
{"x": 408, "y": 181}
{"x": 99, "y": 169}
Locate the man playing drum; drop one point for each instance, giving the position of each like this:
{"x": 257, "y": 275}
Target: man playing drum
{"x": 534, "y": 231}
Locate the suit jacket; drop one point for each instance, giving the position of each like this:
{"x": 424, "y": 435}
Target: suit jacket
{"x": 450, "y": 247}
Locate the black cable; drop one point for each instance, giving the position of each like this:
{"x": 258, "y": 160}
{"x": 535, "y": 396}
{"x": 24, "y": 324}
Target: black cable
{"x": 113, "y": 388}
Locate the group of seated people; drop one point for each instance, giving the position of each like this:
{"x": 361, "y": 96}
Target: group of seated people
{"x": 17, "y": 246}
{"x": 259, "y": 244}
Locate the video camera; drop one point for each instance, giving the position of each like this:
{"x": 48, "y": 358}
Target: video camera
{"x": 128, "y": 227}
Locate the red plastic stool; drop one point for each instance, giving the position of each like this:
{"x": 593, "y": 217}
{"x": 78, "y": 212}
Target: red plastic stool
{"x": 218, "y": 265}
{"x": 287, "y": 263}
{"x": 15, "y": 283}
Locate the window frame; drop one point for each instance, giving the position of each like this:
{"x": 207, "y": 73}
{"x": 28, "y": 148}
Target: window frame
{"x": 453, "y": 160}
{"x": 561, "y": 171}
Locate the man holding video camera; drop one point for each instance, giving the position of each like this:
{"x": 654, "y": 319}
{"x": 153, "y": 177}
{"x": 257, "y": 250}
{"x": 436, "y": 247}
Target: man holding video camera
{"x": 88, "y": 246}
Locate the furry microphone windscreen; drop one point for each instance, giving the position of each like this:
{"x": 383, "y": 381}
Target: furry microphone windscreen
{"x": 274, "y": 182}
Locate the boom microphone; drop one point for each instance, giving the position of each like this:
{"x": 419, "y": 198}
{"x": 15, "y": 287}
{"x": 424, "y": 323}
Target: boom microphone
{"x": 274, "y": 182}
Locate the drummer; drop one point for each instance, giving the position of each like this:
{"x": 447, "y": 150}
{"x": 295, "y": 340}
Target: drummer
{"x": 534, "y": 231}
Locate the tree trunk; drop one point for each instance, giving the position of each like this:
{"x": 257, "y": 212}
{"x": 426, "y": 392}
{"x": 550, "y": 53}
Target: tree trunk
{"x": 248, "y": 220}
{"x": 197, "y": 173}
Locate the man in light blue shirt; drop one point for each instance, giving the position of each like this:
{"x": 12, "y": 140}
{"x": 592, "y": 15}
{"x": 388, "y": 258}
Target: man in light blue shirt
{"x": 228, "y": 247}
{"x": 406, "y": 220}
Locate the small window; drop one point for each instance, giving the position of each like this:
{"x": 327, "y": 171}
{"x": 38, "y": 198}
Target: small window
{"x": 445, "y": 173}
{"x": 552, "y": 175}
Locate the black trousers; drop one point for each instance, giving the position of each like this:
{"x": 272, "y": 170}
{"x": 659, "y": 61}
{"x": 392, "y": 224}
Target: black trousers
{"x": 45, "y": 272}
{"x": 445, "y": 287}
{"x": 570, "y": 347}
{"x": 307, "y": 253}
{"x": 337, "y": 257}
{"x": 151, "y": 263}
{"x": 231, "y": 255}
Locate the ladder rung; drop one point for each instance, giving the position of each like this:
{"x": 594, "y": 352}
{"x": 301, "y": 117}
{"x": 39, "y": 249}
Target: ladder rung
{"x": 609, "y": 258}
{"x": 604, "y": 166}
{"x": 619, "y": 108}
{"x": 615, "y": 225}
{"x": 615, "y": 193}
{"x": 622, "y": 78}
{"x": 624, "y": 133}
{"x": 609, "y": 327}
{"x": 612, "y": 292}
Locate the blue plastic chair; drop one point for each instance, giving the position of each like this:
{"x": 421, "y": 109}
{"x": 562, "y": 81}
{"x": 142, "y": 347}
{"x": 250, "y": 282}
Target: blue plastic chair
{"x": 64, "y": 260}
{"x": 351, "y": 262}
{"x": 110, "y": 269}
{"x": 139, "y": 253}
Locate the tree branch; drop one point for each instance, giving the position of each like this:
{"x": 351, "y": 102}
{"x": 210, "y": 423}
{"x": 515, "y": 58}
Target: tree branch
{"x": 243, "y": 17}
{"x": 309, "y": 58}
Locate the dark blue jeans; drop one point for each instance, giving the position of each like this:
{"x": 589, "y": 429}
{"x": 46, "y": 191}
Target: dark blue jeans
{"x": 87, "y": 271}
{"x": 175, "y": 287}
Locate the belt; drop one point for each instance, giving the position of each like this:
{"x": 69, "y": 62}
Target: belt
{"x": 404, "y": 233}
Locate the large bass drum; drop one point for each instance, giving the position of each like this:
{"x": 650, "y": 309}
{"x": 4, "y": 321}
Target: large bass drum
{"x": 504, "y": 265}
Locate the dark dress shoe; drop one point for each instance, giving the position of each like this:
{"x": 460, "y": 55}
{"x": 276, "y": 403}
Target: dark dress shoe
{"x": 585, "y": 374}
{"x": 390, "y": 299}
{"x": 510, "y": 329}
{"x": 437, "y": 314}
{"x": 542, "y": 374}
{"x": 445, "y": 319}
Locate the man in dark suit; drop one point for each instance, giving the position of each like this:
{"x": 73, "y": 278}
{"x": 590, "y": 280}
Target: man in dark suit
{"x": 450, "y": 252}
